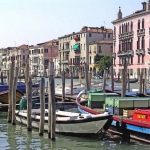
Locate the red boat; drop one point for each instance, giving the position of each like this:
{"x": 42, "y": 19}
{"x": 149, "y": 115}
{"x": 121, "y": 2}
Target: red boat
{"x": 135, "y": 127}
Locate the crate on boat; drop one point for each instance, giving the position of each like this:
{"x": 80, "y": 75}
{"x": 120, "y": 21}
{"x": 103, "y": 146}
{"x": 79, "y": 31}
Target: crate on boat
{"x": 128, "y": 113}
{"x": 98, "y": 99}
{"x": 124, "y": 102}
{"x": 110, "y": 101}
{"x": 119, "y": 111}
{"x": 141, "y": 102}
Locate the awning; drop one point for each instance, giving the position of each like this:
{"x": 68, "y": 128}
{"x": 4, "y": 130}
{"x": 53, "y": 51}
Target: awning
{"x": 75, "y": 47}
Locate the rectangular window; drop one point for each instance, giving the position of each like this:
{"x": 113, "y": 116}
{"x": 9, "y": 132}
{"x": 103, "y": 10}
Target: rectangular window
{"x": 90, "y": 34}
{"x": 99, "y": 49}
{"x": 45, "y": 50}
{"x": 108, "y": 35}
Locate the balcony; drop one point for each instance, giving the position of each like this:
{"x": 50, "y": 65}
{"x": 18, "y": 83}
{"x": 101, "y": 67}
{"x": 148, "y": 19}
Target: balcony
{"x": 77, "y": 38}
{"x": 140, "y": 32}
{"x": 126, "y": 35}
{"x": 148, "y": 50}
{"x": 66, "y": 50}
{"x": 34, "y": 64}
{"x": 140, "y": 52}
{"x": 125, "y": 53}
{"x": 114, "y": 37}
{"x": 76, "y": 63}
{"x": 114, "y": 55}
{"x": 65, "y": 61}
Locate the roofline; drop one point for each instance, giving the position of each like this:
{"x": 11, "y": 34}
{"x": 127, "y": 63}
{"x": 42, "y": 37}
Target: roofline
{"x": 130, "y": 16}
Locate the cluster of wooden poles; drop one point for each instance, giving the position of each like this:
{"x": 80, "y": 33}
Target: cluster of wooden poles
{"x": 12, "y": 82}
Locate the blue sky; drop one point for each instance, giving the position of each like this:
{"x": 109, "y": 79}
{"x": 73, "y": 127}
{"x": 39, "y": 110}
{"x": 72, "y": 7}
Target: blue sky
{"x": 36, "y": 21}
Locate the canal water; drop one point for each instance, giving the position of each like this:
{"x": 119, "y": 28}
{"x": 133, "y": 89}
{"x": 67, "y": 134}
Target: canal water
{"x": 16, "y": 137}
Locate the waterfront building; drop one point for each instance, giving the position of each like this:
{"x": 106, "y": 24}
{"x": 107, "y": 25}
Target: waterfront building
{"x": 100, "y": 48}
{"x": 131, "y": 41}
{"x": 74, "y": 48}
{"x": 21, "y": 56}
{"x": 40, "y": 55}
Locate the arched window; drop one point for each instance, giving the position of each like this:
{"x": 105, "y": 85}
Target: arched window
{"x": 138, "y": 24}
{"x": 142, "y": 23}
{"x": 131, "y": 26}
{"x": 90, "y": 59}
{"x": 120, "y": 29}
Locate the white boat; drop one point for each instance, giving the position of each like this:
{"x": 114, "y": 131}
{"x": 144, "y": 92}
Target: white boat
{"x": 78, "y": 88}
{"x": 69, "y": 123}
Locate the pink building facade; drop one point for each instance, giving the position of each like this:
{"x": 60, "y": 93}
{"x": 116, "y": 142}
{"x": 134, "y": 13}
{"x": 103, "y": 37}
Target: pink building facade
{"x": 131, "y": 41}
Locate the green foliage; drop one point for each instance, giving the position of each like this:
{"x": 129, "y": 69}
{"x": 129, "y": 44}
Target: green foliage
{"x": 97, "y": 58}
{"x": 104, "y": 63}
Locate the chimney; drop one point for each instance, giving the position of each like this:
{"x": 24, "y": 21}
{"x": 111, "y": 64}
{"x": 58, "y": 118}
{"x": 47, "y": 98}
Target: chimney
{"x": 144, "y": 6}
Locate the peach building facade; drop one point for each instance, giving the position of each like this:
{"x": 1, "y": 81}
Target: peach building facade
{"x": 131, "y": 41}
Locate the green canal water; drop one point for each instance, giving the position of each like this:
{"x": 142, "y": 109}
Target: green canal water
{"x": 16, "y": 137}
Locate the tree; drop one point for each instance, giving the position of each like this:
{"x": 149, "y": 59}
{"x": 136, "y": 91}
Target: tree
{"x": 104, "y": 63}
{"x": 97, "y": 58}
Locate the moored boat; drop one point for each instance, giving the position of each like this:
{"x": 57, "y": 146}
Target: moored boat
{"x": 138, "y": 125}
{"x": 74, "y": 123}
{"x": 4, "y": 96}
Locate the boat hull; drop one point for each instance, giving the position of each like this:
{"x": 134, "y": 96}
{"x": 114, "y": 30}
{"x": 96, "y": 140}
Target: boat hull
{"x": 86, "y": 126}
{"x": 4, "y": 96}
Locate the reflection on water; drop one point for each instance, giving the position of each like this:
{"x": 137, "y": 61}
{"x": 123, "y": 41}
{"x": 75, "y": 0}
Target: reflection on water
{"x": 16, "y": 137}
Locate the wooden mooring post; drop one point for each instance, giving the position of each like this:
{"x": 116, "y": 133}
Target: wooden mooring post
{"x": 86, "y": 76}
{"x": 89, "y": 79}
{"x": 112, "y": 78}
{"x": 63, "y": 86}
{"x": 140, "y": 82}
{"x": 51, "y": 104}
{"x": 71, "y": 85}
{"x": 2, "y": 78}
{"x": 29, "y": 104}
{"x": 104, "y": 80}
{"x": 14, "y": 96}
{"x": 42, "y": 106}
{"x": 123, "y": 83}
{"x": 11, "y": 77}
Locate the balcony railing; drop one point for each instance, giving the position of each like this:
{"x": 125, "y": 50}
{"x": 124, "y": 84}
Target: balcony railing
{"x": 35, "y": 64}
{"x": 114, "y": 37}
{"x": 67, "y": 50}
{"x": 76, "y": 63}
{"x": 65, "y": 61}
{"x": 140, "y": 32}
{"x": 140, "y": 51}
{"x": 125, "y": 53}
{"x": 114, "y": 55}
{"x": 126, "y": 34}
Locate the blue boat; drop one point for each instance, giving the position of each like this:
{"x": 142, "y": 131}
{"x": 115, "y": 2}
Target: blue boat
{"x": 20, "y": 86}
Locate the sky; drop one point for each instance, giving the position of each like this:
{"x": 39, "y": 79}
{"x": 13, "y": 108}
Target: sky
{"x": 36, "y": 21}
